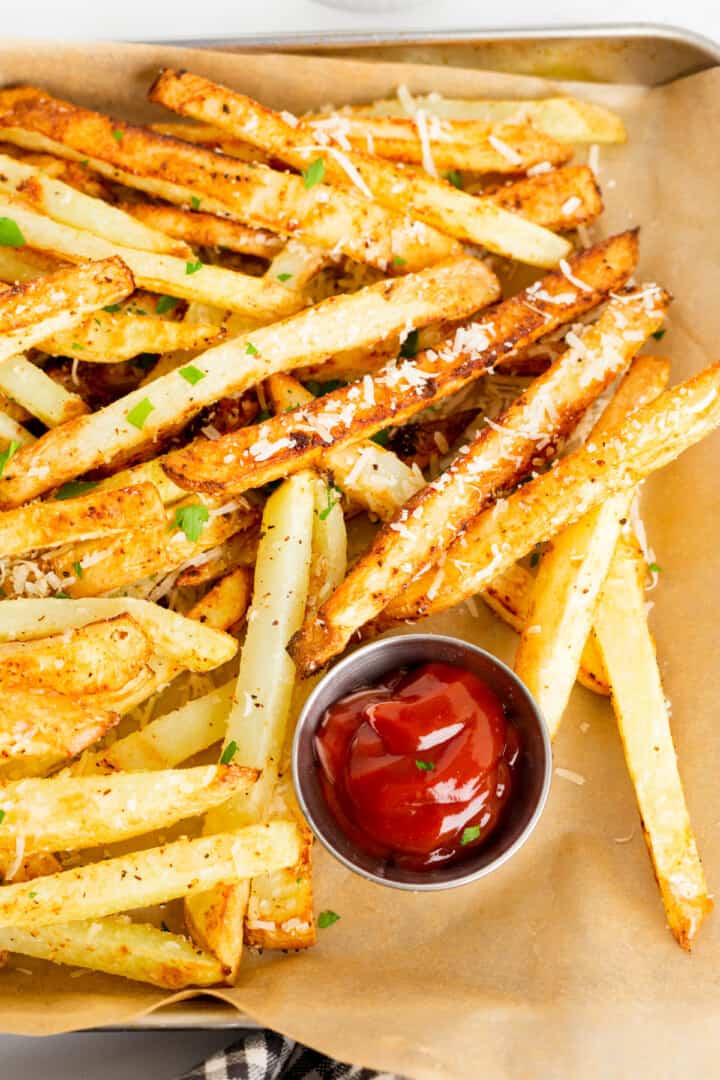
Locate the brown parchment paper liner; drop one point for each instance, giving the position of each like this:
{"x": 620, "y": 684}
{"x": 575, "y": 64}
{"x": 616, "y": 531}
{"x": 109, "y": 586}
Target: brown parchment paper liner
{"x": 560, "y": 963}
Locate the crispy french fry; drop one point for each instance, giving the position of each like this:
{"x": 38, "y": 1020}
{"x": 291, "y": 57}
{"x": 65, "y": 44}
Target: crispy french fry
{"x": 32, "y": 311}
{"x": 462, "y": 285}
{"x": 184, "y": 641}
{"x": 207, "y": 230}
{"x": 251, "y": 457}
{"x": 147, "y": 472}
{"x": 108, "y": 337}
{"x": 261, "y": 704}
{"x": 20, "y": 265}
{"x": 497, "y": 458}
{"x": 439, "y": 145}
{"x": 329, "y": 546}
{"x": 49, "y": 524}
{"x": 152, "y": 876}
{"x": 75, "y": 812}
{"x": 296, "y": 264}
{"x": 69, "y": 206}
{"x": 39, "y": 724}
{"x": 565, "y": 118}
{"x": 643, "y": 720}
{"x": 179, "y": 173}
{"x": 188, "y": 278}
{"x": 92, "y": 659}
{"x": 560, "y": 199}
{"x": 240, "y": 550}
{"x": 118, "y": 947}
{"x": 573, "y": 569}
{"x": 226, "y": 602}
{"x": 44, "y": 398}
{"x": 651, "y": 438}
{"x": 13, "y": 432}
{"x": 370, "y": 475}
{"x": 74, "y": 173}
{"x": 434, "y": 202}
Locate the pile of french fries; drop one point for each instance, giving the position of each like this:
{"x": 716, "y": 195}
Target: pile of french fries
{"x": 227, "y": 341}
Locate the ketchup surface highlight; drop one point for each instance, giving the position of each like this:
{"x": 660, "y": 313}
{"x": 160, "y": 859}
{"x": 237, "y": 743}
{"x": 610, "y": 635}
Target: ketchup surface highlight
{"x": 419, "y": 769}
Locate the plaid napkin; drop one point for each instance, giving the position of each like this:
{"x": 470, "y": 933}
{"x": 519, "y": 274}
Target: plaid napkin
{"x": 265, "y": 1055}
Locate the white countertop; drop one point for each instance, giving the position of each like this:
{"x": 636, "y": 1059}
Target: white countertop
{"x": 163, "y": 1055}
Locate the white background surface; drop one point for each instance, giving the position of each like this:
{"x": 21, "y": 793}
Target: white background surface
{"x": 155, "y": 1055}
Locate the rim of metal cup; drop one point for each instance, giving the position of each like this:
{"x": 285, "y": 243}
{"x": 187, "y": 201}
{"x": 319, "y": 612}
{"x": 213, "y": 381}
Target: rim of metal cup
{"x": 365, "y": 667}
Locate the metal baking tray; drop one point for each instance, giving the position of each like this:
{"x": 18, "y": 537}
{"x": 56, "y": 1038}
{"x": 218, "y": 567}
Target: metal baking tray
{"x": 634, "y": 53}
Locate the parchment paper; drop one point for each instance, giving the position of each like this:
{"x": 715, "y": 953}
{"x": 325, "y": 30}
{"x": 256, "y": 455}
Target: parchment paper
{"x": 558, "y": 965}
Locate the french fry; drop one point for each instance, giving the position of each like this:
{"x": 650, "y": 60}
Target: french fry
{"x": 440, "y": 145}
{"x": 152, "y": 876}
{"x": 74, "y": 173}
{"x": 559, "y": 200}
{"x": 35, "y": 391}
{"x": 509, "y": 597}
{"x": 207, "y": 230}
{"x": 69, "y": 206}
{"x": 251, "y": 457}
{"x": 329, "y": 546}
{"x": 434, "y": 202}
{"x": 147, "y": 472}
{"x": 20, "y": 265}
{"x": 118, "y": 947}
{"x": 187, "y": 278}
{"x": 13, "y": 432}
{"x": 39, "y": 724}
{"x": 184, "y": 641}
{"x": 574, "y": 566}
{"x": 211, "y": 137}
{"x": 643, "y": 720}
{"x": 296, "y": 264}
{"x": 30, "y": 312}
{"x": 92, "y": 659}
{"x": 49, "y": 524}
{"x": 565, "y": 118}
{"x": 240, "y": 550}
{"x": 649, "y": 439}
{"x": 179, "y": 172}
{"x": 226, "y": 602}
{"x": 370, "y": 475}
{"x": 108, "y": 337}
{"x": 497, "y": 458}
{"x": 261, "y": 703}
{"x": 349, "y": 321}
{"x": 75, "y": 812}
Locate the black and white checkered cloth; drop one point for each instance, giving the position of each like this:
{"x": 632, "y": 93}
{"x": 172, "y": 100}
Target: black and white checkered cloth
{"x": 265, "y": 1055}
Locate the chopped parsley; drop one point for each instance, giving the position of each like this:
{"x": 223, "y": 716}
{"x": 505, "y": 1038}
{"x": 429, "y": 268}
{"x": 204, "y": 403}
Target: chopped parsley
{"x": 112, "y": 309}
{"x": 470, "y": 833}
{"x": 398, "y": 260}
{"x": 10, "y": 233}
{"x": 62, "y": 595}
{"x": 314, "y": 173}
{"x": 166, "y": 303}
{"x": 192, "y": 374}
{"x": 382, "y": 437}
{"x": 32, "y": 895}
{"x": 264, "y": 414}
{"x": 85, "y": 161}
{"x": 327, "y": 918}
{"x": 77, "y": 567}
{"x": 331, "y": 503}
{"x": 654, "y": 568}
{"x": 74, "y": 488}
{"x": 192, "y": 520}
{"x": 425, "y": 766}
{"x": 319, "y": 389}
{"x": 409, "y": 347}
{"x": 251, "y": 349}
{"x": 659, "y": 334}
{"x": 2, "y": 816}
{"x": 284, "y": 277}
{"x": 194, "y": 202}
{"x": 77, "y": 345}
{"x": 455, "y": 179}
{"x": 12, "y": 448}
{"x": 229, "y": 753}
{"x": 117, "y": 135}
{"x": 139, "y": 413}
{"x": 193, "y": 267}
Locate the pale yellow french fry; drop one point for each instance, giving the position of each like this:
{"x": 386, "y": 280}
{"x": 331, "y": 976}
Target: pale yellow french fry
{"x": 20, "y": 265}
{"x": 44, "y": 398}
{"x": 38, "y": 725}
{"x": 11, "y": 432}
{"x": 152, "y": 876}
{"x": 207, "y": 230}
{"x": 75, "y": 812}
{"x": 329, "y": 545}
{"x": 109, "y": 337}
{"x": 643, "y": 719}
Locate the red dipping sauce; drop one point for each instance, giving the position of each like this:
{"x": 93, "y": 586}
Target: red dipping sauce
{"x": 420, "y": 769}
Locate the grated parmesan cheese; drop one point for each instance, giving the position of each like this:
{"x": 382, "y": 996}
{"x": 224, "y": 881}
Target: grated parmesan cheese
{"x": 506, "y": 151}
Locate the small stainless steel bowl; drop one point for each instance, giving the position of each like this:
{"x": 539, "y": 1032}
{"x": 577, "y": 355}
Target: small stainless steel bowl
{"x": 366, "y": 667}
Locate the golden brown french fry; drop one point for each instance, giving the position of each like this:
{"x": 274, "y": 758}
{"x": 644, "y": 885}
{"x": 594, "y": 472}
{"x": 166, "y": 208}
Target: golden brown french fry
{"x": 500, "y": 455}
{"x": 560, "y": 199}
{"x": 574, "y": 566}
{"x": 349, "y": 321}
{"x": 20, "y": 265}
{"x": 207, "y": 230}
{"x": 180, "y": 173}
{"x": 433, "y": 202}
{"x": 92, "y": 659}
{"x": 75, "y": 812}
{"x": 35, "y": 391}
{"x": 643, "y": 720}
{"x": 13, "y": 433}
{"x": 49, "y": 524}
{"x": 39, "y": 724}
{"x": 211, "y": 137}
{"x": 109, "y": 337}
{"x": 651, "y": 438}
{"x": 152, "y": 876}
{"x": 250, "y": 457}
{"x": 565, "y": 118}
{"x": 226, "y": 602}
{"x": 239, "y": 551}
{"x": 118, "y": 947}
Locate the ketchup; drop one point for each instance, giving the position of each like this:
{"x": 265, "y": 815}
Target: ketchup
{"x": 419, "y": 769}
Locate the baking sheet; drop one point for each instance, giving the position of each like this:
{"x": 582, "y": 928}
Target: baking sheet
{"x": 559, "y": 964}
